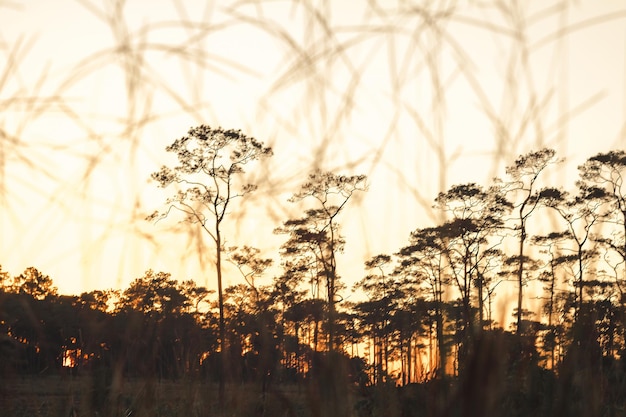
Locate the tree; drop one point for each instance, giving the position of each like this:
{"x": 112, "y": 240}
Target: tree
{"x": 249, "y": 264}
{"x": 210, "y": 161}
{"x": 258, "y": 322}
{"x": 4, "y": 280}
{"x": 288, "y": 299}
{"x": 376, "y": 285}
{"x": 524, "y": 174}
{"x": 425, "y": 260}
{"x": 551, "y": 244}
{"x": 153, "y": 306}
{"x": 155, "y": 294}
{"x": 607, "y": 171}
{"x": 580, "y": 213}
{"x": 96, "y": 299}
{"x": 318, "y": 232}
{"x": 477, "y": 215}
{"x": 34, "y": 283}
{"x": 196, "y": 296}
{"x": 376, "y": 313}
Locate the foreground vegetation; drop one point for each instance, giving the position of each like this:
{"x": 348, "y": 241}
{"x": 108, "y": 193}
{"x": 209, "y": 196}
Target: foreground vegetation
{"x": 422, "y": 341}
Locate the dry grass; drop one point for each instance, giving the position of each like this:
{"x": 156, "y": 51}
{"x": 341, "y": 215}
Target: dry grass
{"x": 61, "y": 395}
{"x": 328, "y": 68}
{"x": 320, "y": 84}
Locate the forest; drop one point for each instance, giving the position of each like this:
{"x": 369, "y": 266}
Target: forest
{"x": 430, "y": 334}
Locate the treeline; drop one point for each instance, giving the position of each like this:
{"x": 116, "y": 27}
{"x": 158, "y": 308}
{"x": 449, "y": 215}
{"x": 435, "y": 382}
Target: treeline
{"x": 157, "y": 327}
{"x": 427, "y": 314}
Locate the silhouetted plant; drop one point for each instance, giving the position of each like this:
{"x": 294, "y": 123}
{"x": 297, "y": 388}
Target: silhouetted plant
{"x": 210, "y": 162}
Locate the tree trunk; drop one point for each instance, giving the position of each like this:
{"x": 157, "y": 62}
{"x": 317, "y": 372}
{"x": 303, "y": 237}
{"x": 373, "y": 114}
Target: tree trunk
{"x": 222, "y": 325}
{"x": 520, "y": 279}
{"x": 481, "y": 316}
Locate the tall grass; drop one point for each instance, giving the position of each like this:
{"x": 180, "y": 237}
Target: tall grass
{"x": 411, "y": 93}
{"x": 416, "y": 94}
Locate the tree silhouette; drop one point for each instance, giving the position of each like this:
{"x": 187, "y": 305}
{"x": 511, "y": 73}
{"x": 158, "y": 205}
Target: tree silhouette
{"x": 580, "y": 214}
{"x": 96, "y": 300}
{"x": 5, "y": 278}
{"x": 607, "y": 171}
{"x": 524, "y": 175}
{"x": 377, "y": 285}
{"x": 155, "y": 294}
{"x": 375, "y": 314}
{"x": 210, "y": 161}
{"x": 318, "y": 231}
{"x": 551, "y": 244}
{"x": 198, "y": 302}
{"x": 425, "y": 261}
{"x": 249, "y": 264}
{"x": 34, "y": 283}
{"x": 477, "y": 214}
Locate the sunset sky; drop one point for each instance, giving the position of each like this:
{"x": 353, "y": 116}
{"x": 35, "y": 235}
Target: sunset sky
{"x": 417, "y": 95}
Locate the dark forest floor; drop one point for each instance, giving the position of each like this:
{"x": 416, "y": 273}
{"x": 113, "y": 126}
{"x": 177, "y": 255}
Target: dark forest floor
{"x": 90, "y": 396}
{"x": 48, "y": 396}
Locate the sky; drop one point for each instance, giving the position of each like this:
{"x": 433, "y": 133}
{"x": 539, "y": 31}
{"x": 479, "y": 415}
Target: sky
{"x": 417, "y": 95}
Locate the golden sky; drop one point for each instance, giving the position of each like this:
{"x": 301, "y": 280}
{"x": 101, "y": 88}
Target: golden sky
{"x": 418, "y": 95}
